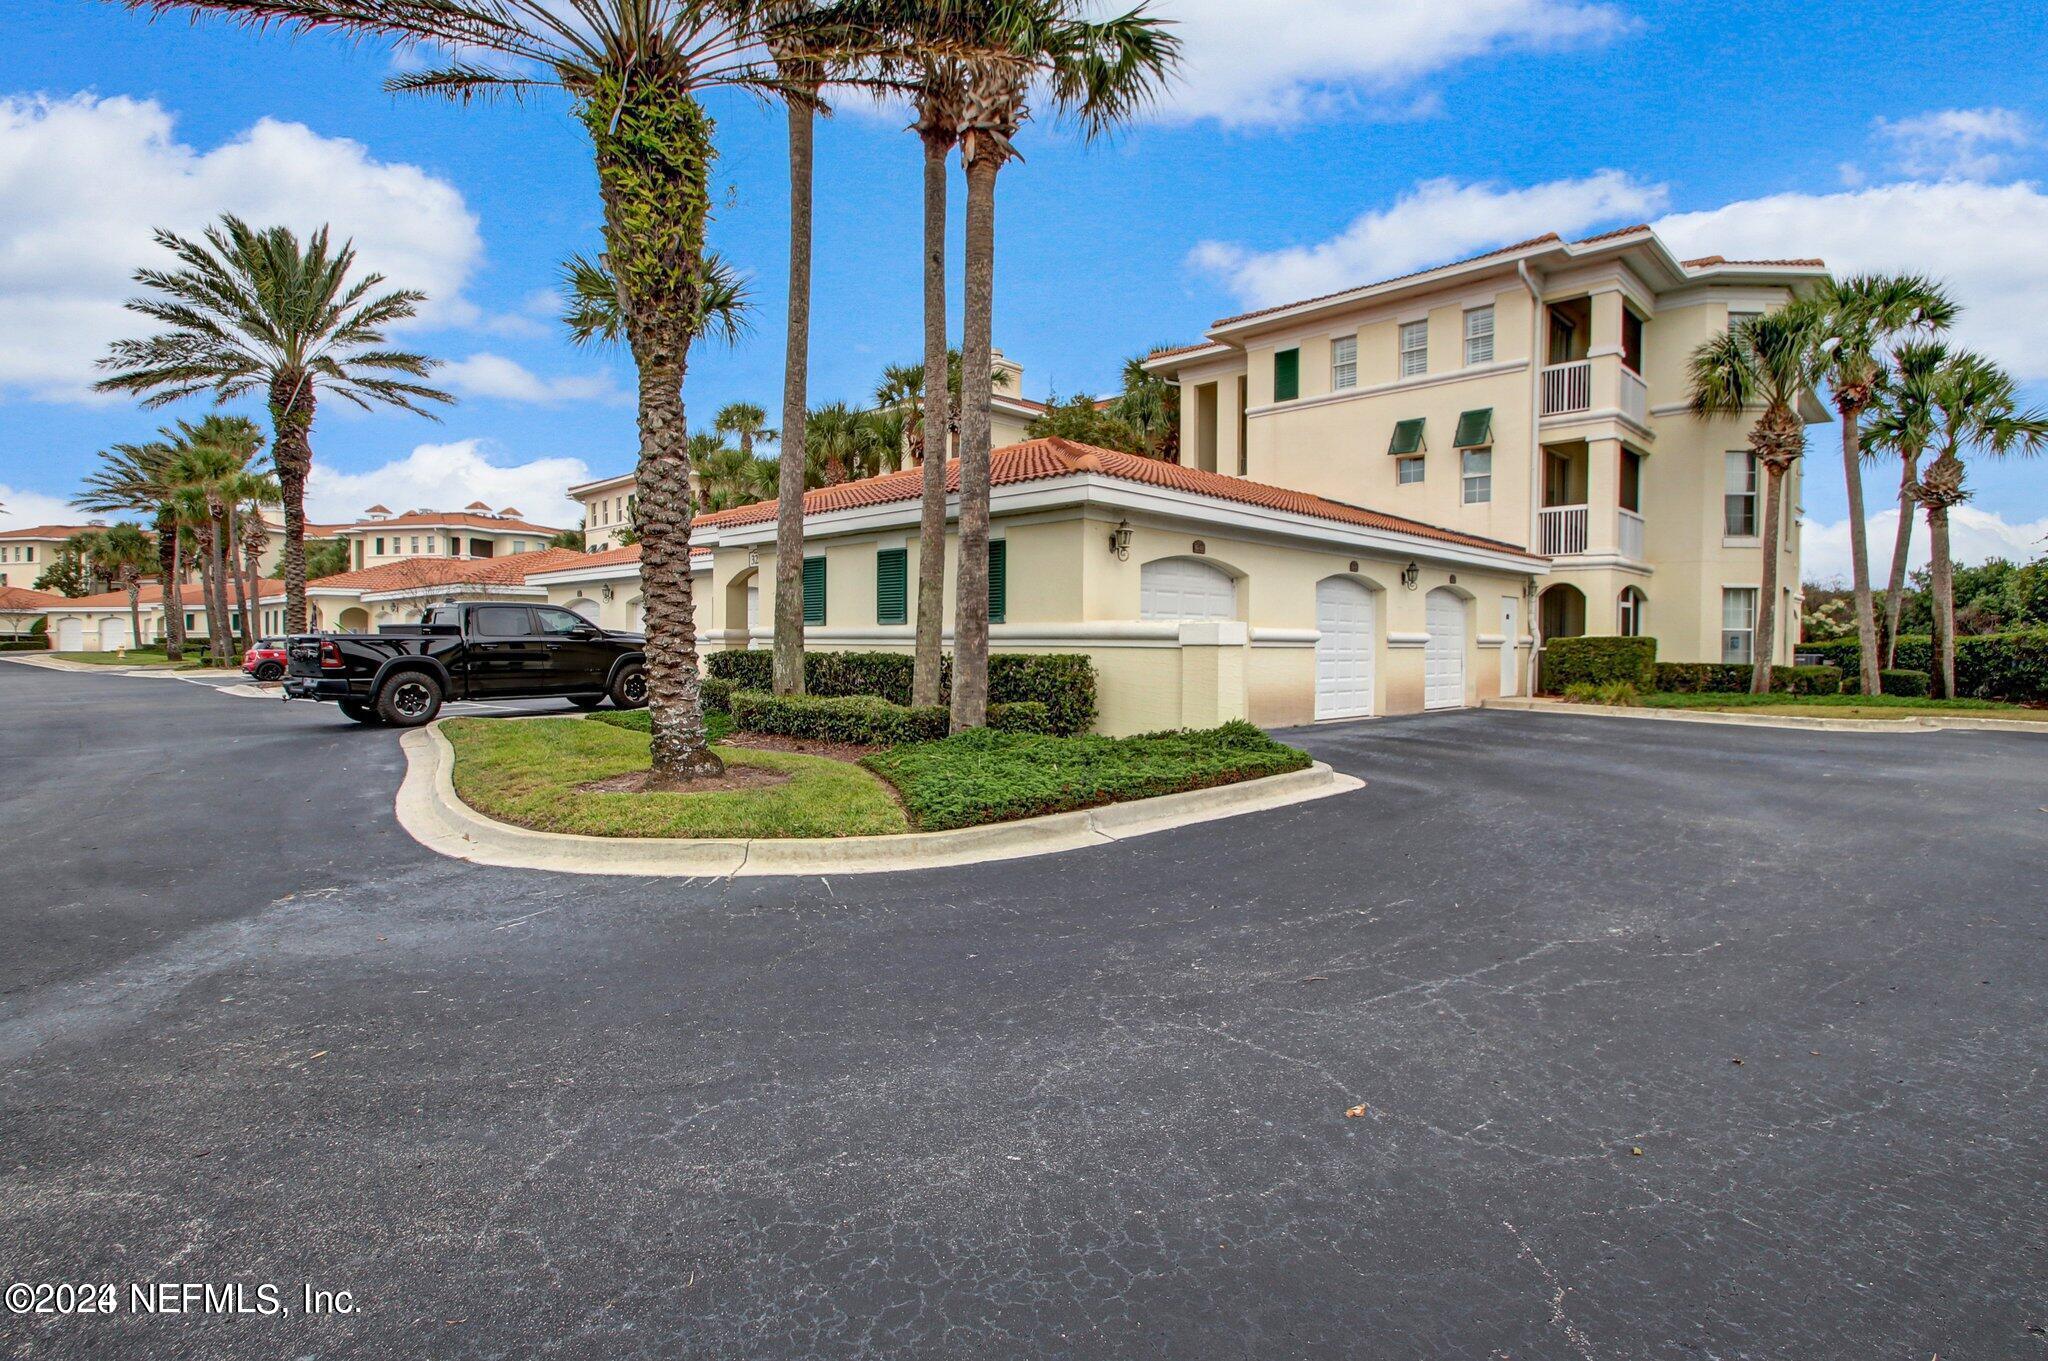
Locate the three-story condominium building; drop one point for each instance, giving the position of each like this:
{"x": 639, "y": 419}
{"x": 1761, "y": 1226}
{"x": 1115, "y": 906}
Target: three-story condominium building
{"x": 476, "y": 531}
{"x": 1535, "y": 395}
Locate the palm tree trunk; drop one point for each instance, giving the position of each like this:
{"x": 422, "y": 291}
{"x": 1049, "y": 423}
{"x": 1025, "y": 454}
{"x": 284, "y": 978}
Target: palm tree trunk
{"x": 1902, "y": 543}
{"x": 134, "y": 587}
{"x": 1764, "y": 645}
{"x": 170, "y": 561}
{"x": 789, "y": 511}
{"x": 216, "y": 590}
{"x": 231, "y": 547}
{"x": 1943, "y": 586}
{"x": 1859, "y": 551}
{"x": 291, "y": 450}
{"x": 970, "y": 604}
{"x": 252, "y": 566}
{"x": 927, "y": 678}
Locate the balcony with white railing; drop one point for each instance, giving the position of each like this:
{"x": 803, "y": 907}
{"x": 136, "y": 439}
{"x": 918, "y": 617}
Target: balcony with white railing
{"x": 1635, "y": 396}
{"x": 1568, "y": 388}
{"x": 1629, "y": 535}
{"x": 1561, "y": 530}
{"x": 1604, "y": 384}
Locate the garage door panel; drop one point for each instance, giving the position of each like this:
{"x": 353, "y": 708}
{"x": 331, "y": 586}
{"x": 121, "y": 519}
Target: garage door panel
{"x": 1344, "y": 649}
{"x": 71, "y": 636}
{"x": 113, "y": 634}
{"x": 1181, "y": 589}
{"x": 1443, "y": 658}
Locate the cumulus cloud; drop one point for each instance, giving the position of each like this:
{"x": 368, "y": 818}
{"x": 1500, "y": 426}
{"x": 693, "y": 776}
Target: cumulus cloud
{"x": 20, "y": 508}
{"x": 449, "y": 477}
{"x": 1266, "y": 62}
{"x": 1975, "y": 534}
{"x": 494, "y": 376}
{"x": 84, "y": 180}
{"x": 1436, "y": 222}
{"x": 1989, "y": 242}
{"x": 1967, "y": 144}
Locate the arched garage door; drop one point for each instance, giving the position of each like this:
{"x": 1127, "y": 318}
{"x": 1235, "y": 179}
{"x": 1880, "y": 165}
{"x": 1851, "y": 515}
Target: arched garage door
{"x": 1182, "y": 588}
{"x": 1344, "y": 618}
{"x": 113, "y": 634}
{"x": 1443, "y": 659}
{"x": 71, "y": 635}
{"x": 585, "y": 607}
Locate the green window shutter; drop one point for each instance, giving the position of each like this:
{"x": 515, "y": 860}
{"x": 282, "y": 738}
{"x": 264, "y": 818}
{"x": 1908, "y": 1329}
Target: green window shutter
{"x": 1286, "y": 375}
{"x": 998, "y": 579}
{"x": 814, "y": 590}
{"x": 1475, "y": 428}
{"x": 1407, "y": 438}
{"x": 892, "y": 586}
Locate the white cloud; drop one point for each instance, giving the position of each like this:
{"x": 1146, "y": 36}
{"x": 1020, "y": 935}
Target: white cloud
{"x": 84, "y": 180}
{"x": 20, "y": 508}
{"x": 1989, "y": 242}
{"x": 1434, "y": 223}
{"x": 449, "y": 477}
{"x": 1975, "y": 534}
{"x": 1966, "y": 144}
{"x": 493, "y": 375}
{"x": 1253, "y": 62}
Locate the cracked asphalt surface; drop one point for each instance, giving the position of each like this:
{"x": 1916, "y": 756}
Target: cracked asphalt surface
{"x": 1085, "y": 1106}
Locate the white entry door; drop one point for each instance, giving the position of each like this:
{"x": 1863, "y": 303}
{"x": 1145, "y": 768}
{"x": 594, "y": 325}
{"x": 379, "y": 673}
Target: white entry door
{"x": 113, "y": 634}
{"x": 1344, "y": 651}
{"x": 71, "y": 636}
{"x": 1511, "y": 631}
{"x": 1443, "y": 659}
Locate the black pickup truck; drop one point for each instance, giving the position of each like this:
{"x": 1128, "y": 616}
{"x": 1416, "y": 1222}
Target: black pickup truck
{"x": 402, "y": 675}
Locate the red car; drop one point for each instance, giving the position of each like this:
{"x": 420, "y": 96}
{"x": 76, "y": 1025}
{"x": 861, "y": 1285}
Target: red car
{"x": 266, "y": 661}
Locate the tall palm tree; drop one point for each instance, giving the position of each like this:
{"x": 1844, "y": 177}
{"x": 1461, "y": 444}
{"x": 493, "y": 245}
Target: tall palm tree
{"x": 1901, "y": 422}
{"x": 1858, "y": 319}
{"x": 255, "y": 538}
{"x": 1149, "y": 406}
{"x": 1100, "y": 74}
{"x": 210, "y": 474}
{"x": 844, "y": 445}
{"x": 134, "y": 477}
{"x": 746, "y": 423}
{"x": 254, "y": 311}
{"x": 1768, "y": 365}
{"x": 1977, "y": 406}
{"x": 121, "y": 553}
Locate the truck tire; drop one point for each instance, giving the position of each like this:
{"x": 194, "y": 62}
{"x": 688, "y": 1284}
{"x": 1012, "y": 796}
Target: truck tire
{"x": 629, "y": 687}
{"x": 409, "y": 699}
{"x": 359, "y": 710}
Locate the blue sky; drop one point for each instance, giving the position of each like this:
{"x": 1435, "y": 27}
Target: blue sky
{"x": 1312, "y": 143}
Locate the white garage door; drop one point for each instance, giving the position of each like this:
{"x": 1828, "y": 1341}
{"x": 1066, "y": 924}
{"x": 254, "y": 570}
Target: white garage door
{"x": 1344, "y": 652}
{"x": 71, "y": 636}
{"x": 1181, "y": 588}
{"x": 113, "y": 634}
{"x": 1443, "y": 659}
{"x": 585, "y": 608}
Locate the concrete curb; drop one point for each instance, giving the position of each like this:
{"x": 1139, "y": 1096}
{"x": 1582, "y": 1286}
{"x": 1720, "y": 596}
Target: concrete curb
{"x": 431, "y": 813}
{"x": 1911, "y": 723}
{"x": 170, "y": 670}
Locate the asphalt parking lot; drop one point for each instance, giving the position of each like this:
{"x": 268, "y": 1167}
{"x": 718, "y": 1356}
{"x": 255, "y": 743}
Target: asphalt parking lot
{"x": 1671, "y": 1041}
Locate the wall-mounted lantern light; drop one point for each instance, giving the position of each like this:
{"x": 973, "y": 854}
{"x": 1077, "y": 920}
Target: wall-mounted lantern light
{"x": 607, "y": 590}
{"x": 1411, "y": 575}
{"x": 1120, "y": 540}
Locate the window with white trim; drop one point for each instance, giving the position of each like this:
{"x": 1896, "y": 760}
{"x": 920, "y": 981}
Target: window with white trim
{"x": 1407, "y": 470}
{"x": 1477, "y": 470}
{"x": 1414, "y": 348}
{"x": 1343, "y": 363}
{"x": 1738, "y": 494}
{"x": 1629, "y": 613}
{"x": 1738, "y": 623}
{"x": 1479, "y": 336}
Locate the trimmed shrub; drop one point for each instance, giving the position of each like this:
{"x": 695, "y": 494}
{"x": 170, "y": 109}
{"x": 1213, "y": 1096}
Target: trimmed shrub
{"x": 1598, "y": 661}
{"x": 25, "y": 645}
{"x": 1602, "y": 692}
{"x": 717, "y": 694}
{"x": 746, "y": 670}
{"x": 1026, "y": 715}
{"x": 1901, "y": 682}
{"x": 1807, "y": 680}
{"x": 2011, "y": 666}
{"x": 1732, "y": 678}
{"x": 1063, "y": 682}
{"x": 865, "y": 720}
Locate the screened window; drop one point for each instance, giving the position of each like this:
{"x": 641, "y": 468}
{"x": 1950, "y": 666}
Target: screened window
{"x": 1738, "y": 624}
{"x": 1738, "y": 498}
{"x": 415, "y": 543}
{"x": 499, "y": 621}
{"x": 1478, "y": 475}
{"x": 1344, "y": 363}
{"x": 1479, "y": 336}
{"x": 1414, "y": 348}
{"x": 1408, "y": 470}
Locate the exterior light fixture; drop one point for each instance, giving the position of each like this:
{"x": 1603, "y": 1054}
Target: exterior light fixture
{"x": 1411, "y": 575}
{"x": 1120, "y": 540}
{"x": 607, "y": 590}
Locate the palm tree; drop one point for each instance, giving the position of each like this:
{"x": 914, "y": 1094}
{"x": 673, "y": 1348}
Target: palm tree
{"x": 1858, "y": 318}
{"x": 1901, "y": 422}
{"x": 843, "y": 445}
{"x": 1149, "y": 407}
{"x": 121, "y": 553}
{"x": 1101, "y": 74}
{"x": 261, "y": 492}
{"x": 746, "y": 423}
{"x": 134, "y": 477}
{"x": 250, "y": 311}
{"x": 1976, "y": 406}
{"x": 1767, "y": 364}
{"x": 210, "y": 474}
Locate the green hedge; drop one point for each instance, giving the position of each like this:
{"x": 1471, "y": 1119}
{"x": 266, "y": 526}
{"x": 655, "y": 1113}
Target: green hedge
{"x": 1063, "y": 682}
{"x": 2008, "y": 666}
{"x": 1732, "y": 678}
{"x": 25, "y": 645}
{"x": 717, "y": 694}
{"x": 989, "y": 776}
{"x": 1908, "y": 684}
{"x": 1598, "y": 661}
{"x": 866, "y": 720}
{"x": 1026, "y": 715}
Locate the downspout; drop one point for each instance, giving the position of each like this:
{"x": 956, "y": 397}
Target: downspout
{"x": 1535, "y": 621}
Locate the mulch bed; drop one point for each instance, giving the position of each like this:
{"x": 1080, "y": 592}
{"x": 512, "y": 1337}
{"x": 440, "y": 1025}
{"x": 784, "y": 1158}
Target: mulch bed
{"x": 735, "y": 777}
{"x": 803, "y": 746}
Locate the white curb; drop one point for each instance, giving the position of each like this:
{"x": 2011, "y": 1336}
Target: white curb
{"x": 1909, "y": 723}
{"x": 431, "y": 813}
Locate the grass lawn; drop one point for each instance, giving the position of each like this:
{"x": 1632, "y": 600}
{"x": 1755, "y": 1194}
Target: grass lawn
{"x": 137, "y": 656}
{"x": 528, "y": 772}
{"x": 984, "y": 776}
{"x": 716, "y": 726}
{"x": 1846, "y": 706}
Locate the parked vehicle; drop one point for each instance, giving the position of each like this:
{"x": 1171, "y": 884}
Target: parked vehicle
{"x": 402, "y": 675}
{"x": 267, "y": 659}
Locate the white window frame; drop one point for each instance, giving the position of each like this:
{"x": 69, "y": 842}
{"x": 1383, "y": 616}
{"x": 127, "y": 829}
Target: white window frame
{"x": 1479, "y": 336}
{"x": 1401, "y": 467}
{"x": 1752, "y": 492}
{"x": 1629, "y": 608}
{"x": 1477, "y": 485}
{"x": 1343, "y": 363}
{"x": 1414, "y": 348}
{"x": 1744, "y": 629}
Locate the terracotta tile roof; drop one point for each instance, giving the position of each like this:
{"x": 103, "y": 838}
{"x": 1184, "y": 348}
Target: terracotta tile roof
{"x": 47, "y": 531}
{"x": 418, "y": 573}
{"x": 463, "y": 518}
{"x": 1708, "y": 261}
{"x": 1041, "y": 459}
{"x": 1172, "y": 350}
{"x": 19, "y": 600}
{"x": 613, "y": 557}
{"x": 269, "y": 588}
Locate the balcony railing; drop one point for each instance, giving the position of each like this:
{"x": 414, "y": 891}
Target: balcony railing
{"x": 1629, "y": 535}
{"x": 1568, "y": 387}
{"x": 1635, "y": 396}
{"x": 1563, "y": 530}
